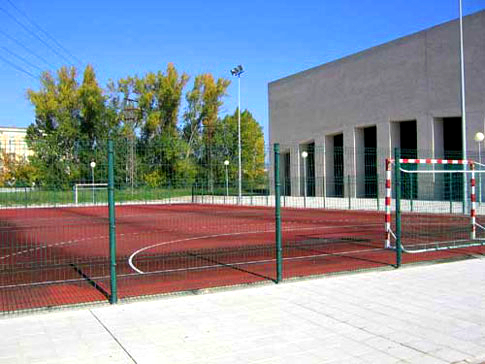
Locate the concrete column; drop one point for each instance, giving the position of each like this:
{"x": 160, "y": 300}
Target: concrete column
{"x": 295, "y": 170}
{"x": 384, "y": 148}
{"x": 329, "y": 166}
{"x": 359, "y": 162}
{"x": 430, "y": 145}
{"x": 319, "y": 165}
{"x": 349, "y": 161}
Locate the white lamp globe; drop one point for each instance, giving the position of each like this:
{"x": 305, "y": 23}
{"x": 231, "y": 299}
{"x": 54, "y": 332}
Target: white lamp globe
{"x": 479, "y": 137}
{"x": 93, "y": 164}
{"x": 304, "y": 154}
{"x": 226, "y": 162}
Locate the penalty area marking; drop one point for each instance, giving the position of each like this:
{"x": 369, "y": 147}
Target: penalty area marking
{"x": 132, "y": 256}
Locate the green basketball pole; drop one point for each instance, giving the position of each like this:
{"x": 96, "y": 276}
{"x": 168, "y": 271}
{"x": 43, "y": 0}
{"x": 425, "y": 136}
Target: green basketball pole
{"x": 112, "y": 225}
{"x": 277, "y": 193}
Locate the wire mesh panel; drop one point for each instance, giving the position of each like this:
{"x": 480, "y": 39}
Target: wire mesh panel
{"x": 53, "y": 251}
{"x": 187, "y": 228}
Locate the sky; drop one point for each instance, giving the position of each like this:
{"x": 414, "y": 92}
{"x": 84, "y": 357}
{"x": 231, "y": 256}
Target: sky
{"x": 271, "y": 39}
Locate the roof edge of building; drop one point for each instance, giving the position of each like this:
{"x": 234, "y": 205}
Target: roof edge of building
{"x": 371, "y": 49}
{"x": 13, "y": 127}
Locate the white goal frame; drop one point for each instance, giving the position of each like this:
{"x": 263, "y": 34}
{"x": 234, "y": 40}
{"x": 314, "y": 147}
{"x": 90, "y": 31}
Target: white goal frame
{"x": 93, "y": 186}
{"x": 473, "y": 241}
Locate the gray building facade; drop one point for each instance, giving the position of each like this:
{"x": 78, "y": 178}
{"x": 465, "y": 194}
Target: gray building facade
{"x": 405, "y": 94}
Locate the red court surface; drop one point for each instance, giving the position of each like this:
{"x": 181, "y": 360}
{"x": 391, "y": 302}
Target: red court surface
{"x": 59, "y": 256}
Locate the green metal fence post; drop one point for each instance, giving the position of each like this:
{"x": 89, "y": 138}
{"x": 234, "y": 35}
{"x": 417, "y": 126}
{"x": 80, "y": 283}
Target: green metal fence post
{"x": 449, "y": 195}
{"x": 277, "y": 186}
{"x": 397, "y": 171}
{"x": 112, "y": 225}
{"x": 349, "y": 192}
{"x": 377, "y": 191}
{"x": 411, "y": 196}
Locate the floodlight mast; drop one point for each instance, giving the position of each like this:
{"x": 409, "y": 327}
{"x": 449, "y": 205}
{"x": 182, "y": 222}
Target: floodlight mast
{"x": 236, "y": 72}
{"x": 463, "y": 107}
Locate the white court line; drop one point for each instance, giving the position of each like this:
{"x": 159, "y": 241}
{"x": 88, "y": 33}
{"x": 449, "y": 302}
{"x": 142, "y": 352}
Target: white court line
{"x": 174, "y": 270}
{"x": 132, "y": 256}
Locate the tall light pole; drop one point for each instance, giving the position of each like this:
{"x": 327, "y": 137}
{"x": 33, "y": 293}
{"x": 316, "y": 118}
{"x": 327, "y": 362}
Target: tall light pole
{"x": 226, "y": 163}
{"x": 304, "y": 155}
{"x": 92, "y": 164}
{"x": 463, "y": 108}
{"x": 479, "y": 139}
{"x": 237, "y": 71}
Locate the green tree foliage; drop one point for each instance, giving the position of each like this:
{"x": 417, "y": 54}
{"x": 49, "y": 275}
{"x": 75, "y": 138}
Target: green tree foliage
{"x": 149, "y": 108}
{"x": 15, "y": 171}
{"x": 155, "y": 147}
{"x": 200, "y": 119}
{"x": 252, "y": 147}
{"x": 71, "y": 121}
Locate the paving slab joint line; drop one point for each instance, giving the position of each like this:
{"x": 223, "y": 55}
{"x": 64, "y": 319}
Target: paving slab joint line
{"x": 476, "y": 360}
{"x": 113, "y": 336}
{"x": 382, "y": 336}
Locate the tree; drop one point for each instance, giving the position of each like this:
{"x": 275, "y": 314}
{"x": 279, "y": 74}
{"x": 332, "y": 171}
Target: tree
{"x": 200, "y": 119}
{"x": 252, "y": 147}
{"x": 16, "y": 171}
{"x": 71, "y": 121}
{"x": 159, "y": 96}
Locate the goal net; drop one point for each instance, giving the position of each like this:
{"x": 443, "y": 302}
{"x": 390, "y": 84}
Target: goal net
{"x": 431, "y": 205}
{"x": 90, "y": 193}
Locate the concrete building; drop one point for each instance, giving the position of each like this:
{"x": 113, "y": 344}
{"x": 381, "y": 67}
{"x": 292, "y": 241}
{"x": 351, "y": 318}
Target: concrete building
{"x": 351, "y": 113}
{"x": 12, "y": 141}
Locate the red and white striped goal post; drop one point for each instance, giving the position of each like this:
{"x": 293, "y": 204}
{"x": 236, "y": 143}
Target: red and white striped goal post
{"x": 390, "y": 162}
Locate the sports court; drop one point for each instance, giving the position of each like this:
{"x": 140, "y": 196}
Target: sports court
{"x": 53, "y": 256}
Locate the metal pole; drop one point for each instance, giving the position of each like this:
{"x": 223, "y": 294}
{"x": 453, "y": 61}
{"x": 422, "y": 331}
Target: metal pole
{"x": 239, "y": 134}
{"x": 227, "y": 183}
{"x": 92, "y": 178}
{"x": 479, "y": 175}
{"x": 304, "y": 182}
{"x": 397, "y": 171}
{"x": 112, "y": 225}
{"x": 277, "y": 185}
{"x": 463, "y": 109}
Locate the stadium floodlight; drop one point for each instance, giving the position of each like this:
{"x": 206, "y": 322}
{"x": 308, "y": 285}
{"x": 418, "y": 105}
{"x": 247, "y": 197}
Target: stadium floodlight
{"x": 236, "y": 72}
{"x": 226, "y": 163}
{"x": 479, "y": 139}
{"x": 304, "y": 155}
{"x": 92, "y": 164}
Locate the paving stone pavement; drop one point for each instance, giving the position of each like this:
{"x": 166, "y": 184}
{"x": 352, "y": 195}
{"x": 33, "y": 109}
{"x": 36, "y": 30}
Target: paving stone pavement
{"x": 421, "y": 314}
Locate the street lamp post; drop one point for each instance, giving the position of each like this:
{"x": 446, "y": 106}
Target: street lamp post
{"x": 479, "y": 139}
{"x": 237, "y": 71}
{"x": 304, "y": 155}
{"x": 92, "y": 164}
{"x": 226, "y": 163}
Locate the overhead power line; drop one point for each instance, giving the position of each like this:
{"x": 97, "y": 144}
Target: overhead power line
{"x": 18, "y": 68}
{"x": 27, "y": 49}
{"x": 35, "y": 35}
{"x": 45, "y": 32}
{"x": 21, "y": 58}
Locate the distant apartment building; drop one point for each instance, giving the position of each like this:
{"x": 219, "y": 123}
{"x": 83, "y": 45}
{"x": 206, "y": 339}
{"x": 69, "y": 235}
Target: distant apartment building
{"x": 12, "y": 141}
